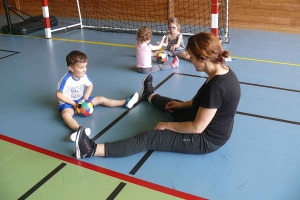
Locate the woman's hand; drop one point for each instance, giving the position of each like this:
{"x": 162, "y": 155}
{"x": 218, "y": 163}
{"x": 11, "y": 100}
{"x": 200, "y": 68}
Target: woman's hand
{"x": 161, "y": 126}
{"x": 173, "y": 105}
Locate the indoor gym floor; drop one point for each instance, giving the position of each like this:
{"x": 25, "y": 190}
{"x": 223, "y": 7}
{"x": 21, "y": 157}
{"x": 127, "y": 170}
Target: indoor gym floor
{"x": 260, "y": 161}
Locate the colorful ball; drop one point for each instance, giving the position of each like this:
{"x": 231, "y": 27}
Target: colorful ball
{"x": 162, "y": 57}
{"x": 84, "y": 108}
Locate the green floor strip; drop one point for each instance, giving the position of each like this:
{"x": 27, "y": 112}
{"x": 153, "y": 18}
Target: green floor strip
{"x": 22, "y": 168}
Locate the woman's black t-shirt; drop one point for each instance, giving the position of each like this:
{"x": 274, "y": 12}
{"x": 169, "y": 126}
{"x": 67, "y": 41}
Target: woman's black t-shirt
{"x": 223, "y": 93}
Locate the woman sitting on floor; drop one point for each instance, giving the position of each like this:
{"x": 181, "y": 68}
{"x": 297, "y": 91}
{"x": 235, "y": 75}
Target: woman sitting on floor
{"x": 201, "y": 125}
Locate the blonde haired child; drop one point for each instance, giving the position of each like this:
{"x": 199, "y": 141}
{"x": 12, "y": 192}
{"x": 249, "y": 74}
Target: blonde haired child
{"x": 144, "y": 51}
{"x": 174, "y": 42}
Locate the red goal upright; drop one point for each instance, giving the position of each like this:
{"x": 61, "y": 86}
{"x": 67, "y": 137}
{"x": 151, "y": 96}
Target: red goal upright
{"x": 129, "y": 15}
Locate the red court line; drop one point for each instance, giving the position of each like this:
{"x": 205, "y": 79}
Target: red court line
{"x": 102, "y": 170}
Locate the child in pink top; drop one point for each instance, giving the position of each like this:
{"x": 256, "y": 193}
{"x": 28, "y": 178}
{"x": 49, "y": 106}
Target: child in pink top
{"x": 144, "y": 50}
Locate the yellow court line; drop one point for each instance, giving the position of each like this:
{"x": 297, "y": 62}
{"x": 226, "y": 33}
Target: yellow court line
{"x": 79, "y": 41}
{"x": 267, "y": 61}
{"x": 132, "y": 46}
{"x": 91, "y": 42}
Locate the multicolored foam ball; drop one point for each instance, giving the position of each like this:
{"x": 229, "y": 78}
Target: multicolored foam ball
{"x": 162, "y": 57}
{"x": 84, "y": 108}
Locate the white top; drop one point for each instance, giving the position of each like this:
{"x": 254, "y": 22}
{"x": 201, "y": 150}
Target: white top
{"x": 71, "y": 87}
{"x": 143, "y": 55}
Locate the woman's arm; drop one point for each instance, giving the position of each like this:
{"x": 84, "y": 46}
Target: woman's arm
{"x": 203, "y": 118}
{"x": 175, "y": 105}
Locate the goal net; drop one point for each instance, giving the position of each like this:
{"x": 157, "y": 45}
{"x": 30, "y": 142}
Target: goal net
{"x": 129, "y": 15}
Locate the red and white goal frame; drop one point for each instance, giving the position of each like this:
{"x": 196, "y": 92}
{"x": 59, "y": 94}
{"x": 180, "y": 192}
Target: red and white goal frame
{"x": 214, "y": 19}
{"x": 46, "y": 15}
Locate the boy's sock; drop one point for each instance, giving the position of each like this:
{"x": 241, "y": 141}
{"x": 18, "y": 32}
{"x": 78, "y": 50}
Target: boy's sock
{"x": 175, "y": 62}
{"x": 73, "y": 135}
{"x": 130, "y": 101}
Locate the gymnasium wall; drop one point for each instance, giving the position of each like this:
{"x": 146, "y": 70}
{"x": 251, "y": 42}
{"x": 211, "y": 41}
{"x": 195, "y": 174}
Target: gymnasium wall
{"x": 268, "y": 15}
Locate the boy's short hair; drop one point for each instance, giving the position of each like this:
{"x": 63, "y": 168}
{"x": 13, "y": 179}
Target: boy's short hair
{"x": 76, "y": 56}
{"x": 144, "y": 34}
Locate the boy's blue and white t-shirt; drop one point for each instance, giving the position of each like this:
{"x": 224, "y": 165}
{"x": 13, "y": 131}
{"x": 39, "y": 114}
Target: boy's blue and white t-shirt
{"x": 71, "y": 87}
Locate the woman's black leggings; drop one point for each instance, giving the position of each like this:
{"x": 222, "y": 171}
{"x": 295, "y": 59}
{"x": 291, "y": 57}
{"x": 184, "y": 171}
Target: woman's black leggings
{"x": 163, "y": 140}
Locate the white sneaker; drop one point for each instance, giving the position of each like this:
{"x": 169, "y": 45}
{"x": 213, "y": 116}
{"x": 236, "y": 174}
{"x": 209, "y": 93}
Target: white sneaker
{"x": 73, "y": 135}
{"x": 130, "y": 101}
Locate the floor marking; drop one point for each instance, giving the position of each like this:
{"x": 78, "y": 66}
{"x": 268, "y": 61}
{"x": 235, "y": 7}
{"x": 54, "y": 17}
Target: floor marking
{"x": 132, "y": 46}
{"x": 41, "y": 182}
{"x": 78, "y": 41}
{"x": 267, "y": 61}
{"x": 166, "y": 79}
{"x": 115, "y": 193}
{"x": 269, "y": 118}
{"x": 114, "y": 122}
{"x": 14, "y": 53}
{"x": 246, "y": 83}
{"x": 102, "y": 170}
{"x": 141, "y": 162}
{"x": 271, "y": 87}
{"x": 98, "y": 43}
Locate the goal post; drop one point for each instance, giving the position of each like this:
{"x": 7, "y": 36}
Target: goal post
{"x": 129, "y": 15}
{"x": 62, "y": 16}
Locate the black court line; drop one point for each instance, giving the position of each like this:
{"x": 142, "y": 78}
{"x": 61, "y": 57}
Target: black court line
{"x": 252, "y": 84}
{"x": 41, "y": 182}
{"x": 114, "y": 122}
{"x": 14, "y": 53}
{"x": 141, "y": 162}
{"x": 269, "y": 118}
{"x": 115, "y": 193}
{"x": 165, "y": 80}
{"x": 270, "y": 87}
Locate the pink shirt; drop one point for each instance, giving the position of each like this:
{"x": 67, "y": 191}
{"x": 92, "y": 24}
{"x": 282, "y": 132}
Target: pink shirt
{"x": 143, "y": 55}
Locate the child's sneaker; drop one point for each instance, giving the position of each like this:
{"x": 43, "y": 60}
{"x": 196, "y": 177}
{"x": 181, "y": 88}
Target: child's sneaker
{"x": 147, "y": 89}
{"x": 73, "y": 135}
{"x": 175, "y": 62}
{"x": 85, "y": 147}
{"x": 130, "y": 101}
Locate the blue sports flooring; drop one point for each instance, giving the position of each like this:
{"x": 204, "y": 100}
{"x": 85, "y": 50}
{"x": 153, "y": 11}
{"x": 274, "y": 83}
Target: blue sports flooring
{"x": 260, "y": 161}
